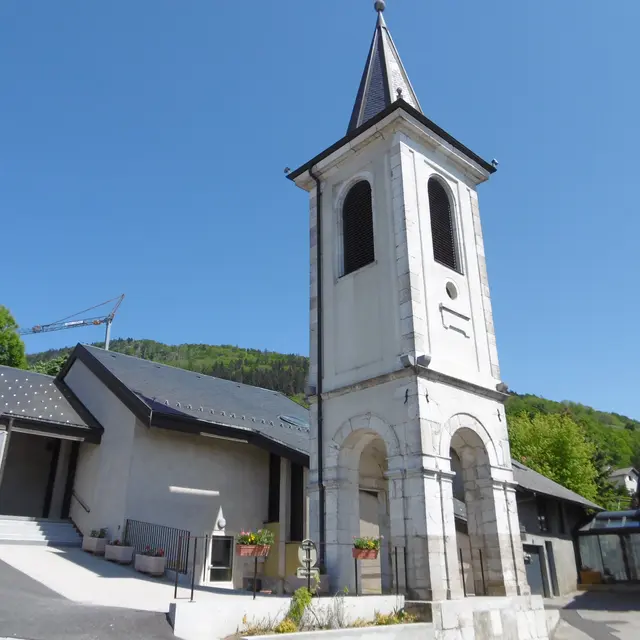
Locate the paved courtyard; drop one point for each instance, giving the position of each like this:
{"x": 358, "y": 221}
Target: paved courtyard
{"x": 598, "y": 616}
{"x": 32, "y": 611}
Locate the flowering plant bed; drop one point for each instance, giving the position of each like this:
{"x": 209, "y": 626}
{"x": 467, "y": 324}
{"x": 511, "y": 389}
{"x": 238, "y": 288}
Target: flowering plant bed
{"x": 366, "y": 544}
{"x": 151, "y": 561}
{"x": 254, "y": 544}
{"x": 118, "y": 552}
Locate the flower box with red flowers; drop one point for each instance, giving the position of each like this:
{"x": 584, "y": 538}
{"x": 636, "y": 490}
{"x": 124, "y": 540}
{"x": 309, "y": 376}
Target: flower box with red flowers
{"x": 366, "y": 548}
{"x": 118, "y": 552}
{"x": 254, "y": 544}
{"x": 152, "y": 562}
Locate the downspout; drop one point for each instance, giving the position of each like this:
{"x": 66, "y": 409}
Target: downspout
{"x": 322, "y": 523}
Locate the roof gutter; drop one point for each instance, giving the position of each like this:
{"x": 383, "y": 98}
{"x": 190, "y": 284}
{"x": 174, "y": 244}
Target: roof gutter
{"x": 319, "y": 370}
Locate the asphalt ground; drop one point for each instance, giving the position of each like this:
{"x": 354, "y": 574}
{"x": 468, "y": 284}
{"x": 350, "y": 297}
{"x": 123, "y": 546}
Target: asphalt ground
{"x": 31, "y": 611}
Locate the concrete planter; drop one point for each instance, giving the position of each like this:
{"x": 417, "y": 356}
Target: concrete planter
{"x": 154, "y": 566}
{"x": 252, "y": 550}
{"x": 365, "y": 554}
{"x": 118, "y": 553}
{"x": 94, "y": 545}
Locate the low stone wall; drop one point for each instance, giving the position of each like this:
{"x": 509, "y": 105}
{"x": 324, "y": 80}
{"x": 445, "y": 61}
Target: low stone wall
{"x": 227, "y": 614}
{"x": 417, "y": 631}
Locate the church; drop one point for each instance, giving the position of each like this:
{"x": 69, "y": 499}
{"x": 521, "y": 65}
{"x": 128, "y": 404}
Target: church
{"x": 406, "y": 436}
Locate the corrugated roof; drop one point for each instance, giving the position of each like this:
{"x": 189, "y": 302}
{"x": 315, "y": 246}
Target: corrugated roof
{"x": 40, "y": 400}
{"x": 174, "y": 392}
{"x": 536, "y": 482}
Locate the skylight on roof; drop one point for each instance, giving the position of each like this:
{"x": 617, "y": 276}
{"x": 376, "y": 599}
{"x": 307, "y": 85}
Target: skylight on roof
{"x": 296, "y": 422}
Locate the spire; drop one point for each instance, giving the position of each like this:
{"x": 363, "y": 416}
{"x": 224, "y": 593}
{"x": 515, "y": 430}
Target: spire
{"x": 384, "y": 79}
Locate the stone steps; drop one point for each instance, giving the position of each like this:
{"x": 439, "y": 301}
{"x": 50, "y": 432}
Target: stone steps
{"x": 38, "y": 531}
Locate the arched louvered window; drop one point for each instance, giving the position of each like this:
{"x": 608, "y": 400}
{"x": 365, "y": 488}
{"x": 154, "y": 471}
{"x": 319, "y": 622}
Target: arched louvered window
{"x": 442, "y": 226}
{"x": 357, "y": 227}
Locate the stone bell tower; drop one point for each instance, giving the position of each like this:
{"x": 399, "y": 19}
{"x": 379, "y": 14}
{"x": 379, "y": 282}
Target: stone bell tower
{"x": 405, "y": 388}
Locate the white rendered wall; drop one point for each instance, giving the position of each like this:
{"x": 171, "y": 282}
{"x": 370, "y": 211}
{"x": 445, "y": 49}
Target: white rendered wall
{"x": 239, "y": 472}
{"x": 102, "y": 479}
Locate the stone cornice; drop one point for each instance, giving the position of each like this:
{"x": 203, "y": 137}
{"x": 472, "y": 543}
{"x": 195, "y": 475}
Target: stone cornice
{"x": 472, "y": 387}
{"x": 422, "y": 372}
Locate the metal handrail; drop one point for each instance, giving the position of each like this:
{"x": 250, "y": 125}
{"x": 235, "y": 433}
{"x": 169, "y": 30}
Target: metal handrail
{"x": 80, "y": 501}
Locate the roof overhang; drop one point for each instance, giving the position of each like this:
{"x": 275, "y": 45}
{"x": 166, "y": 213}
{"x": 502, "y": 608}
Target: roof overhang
{"x": 401, "y": 117}
{"x": 194, "y": 426}
{"x": 62, "y": 431}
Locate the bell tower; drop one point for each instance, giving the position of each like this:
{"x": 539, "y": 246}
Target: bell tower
{"x": 404, "y": 383}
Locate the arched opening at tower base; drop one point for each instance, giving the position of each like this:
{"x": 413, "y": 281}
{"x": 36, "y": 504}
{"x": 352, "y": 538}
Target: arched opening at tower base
{"x": 486, "y": 552}
{"x": 358, "y": 506}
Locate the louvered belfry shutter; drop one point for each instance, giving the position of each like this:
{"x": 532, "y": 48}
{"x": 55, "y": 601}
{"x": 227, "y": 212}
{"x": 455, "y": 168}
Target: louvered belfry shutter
{"x": 357, "y": 227}
{"x": 442, "y": 230}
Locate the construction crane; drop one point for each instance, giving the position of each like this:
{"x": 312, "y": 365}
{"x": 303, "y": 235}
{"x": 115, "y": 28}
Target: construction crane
{"x": 69, "y": 323}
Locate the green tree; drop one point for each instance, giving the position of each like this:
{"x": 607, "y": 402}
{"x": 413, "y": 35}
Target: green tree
{"x": 49, "y": 367}
{"x": 557, "y": 447}
{"x": 12, "y": 352}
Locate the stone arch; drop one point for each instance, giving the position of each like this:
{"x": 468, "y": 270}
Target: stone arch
{"x": 358, "y": 499}
{"x": 469, "y": 428}
{"x": 357, "y": 432}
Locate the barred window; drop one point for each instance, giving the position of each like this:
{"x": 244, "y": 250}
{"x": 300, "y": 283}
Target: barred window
{"x": 357, "y": 227}
{"x": 442, "y": 226}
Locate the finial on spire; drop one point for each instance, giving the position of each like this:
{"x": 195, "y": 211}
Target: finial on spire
{"x": 379, "y": 5}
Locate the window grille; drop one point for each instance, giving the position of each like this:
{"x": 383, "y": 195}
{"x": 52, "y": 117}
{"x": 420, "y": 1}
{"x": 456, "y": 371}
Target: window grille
{"x": 442, "y": 226}
{"x": 357, "y": 228}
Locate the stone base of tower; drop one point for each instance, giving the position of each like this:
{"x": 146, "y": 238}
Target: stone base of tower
{"x": 492, "y": 618}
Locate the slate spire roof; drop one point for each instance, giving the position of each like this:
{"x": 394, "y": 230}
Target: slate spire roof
{"x": 384, "y": 79}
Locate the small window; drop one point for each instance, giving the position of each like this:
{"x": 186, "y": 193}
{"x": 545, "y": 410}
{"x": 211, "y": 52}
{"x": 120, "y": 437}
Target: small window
{"x": 562, "y": 518}
{"x": 221, "y": 559}
{"x": 543, "y": 520}
{"x": 357, "y": 228}
{"x": 442, "y": 226}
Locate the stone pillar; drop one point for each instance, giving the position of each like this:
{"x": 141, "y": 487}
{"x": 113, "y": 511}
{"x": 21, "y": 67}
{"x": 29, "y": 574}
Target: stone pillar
{"x": 452, "y": 556}
{"x": 491, "y": 538}
{"x": 60, "y": 479}
{"x": 397, "y": 531}
{"x": 432, "y": 560}
{"x": 283, "y": 517}
{"x": 386, "y": 579}
{"x": 342, "y": 499}
{"x": 522, "y": 584}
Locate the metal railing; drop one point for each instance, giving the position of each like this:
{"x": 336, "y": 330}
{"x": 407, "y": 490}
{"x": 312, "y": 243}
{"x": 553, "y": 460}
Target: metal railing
{"x": 80, "y": 501}
{"x": 397, "y": 562}
{"x": 141, "y": 535}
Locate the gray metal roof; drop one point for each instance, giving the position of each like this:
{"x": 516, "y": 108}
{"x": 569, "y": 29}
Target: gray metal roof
{"x": 40, "y": 401}
{"x": 384, "y": 79}
{"x": 179, "y": 393}
{"x": 623, "y": 472}
{"x": 533, "y": 481}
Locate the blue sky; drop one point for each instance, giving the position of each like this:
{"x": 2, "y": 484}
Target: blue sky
{"x": 143, "y": 146}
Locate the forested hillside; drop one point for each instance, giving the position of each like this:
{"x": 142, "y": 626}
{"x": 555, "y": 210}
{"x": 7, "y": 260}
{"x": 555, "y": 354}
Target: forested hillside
{"x": 569, "y": 442}
{"x": 284, "y": 373}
